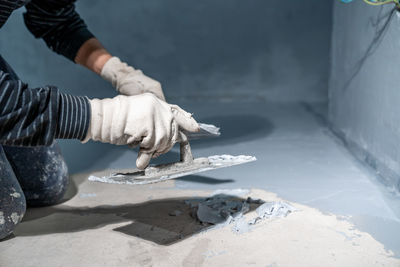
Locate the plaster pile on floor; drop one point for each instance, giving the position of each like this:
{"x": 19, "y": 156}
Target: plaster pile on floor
{"x": 221, "y": 210}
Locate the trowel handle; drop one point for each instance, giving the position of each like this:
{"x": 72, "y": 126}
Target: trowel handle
{"x": 185, "y": 150}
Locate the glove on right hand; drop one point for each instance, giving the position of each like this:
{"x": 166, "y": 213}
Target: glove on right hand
{"x": 139, "y": 120}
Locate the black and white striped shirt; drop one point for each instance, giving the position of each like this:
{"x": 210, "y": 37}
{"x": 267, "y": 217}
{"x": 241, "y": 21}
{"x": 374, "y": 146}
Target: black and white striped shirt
{"x": 36, "y": 116}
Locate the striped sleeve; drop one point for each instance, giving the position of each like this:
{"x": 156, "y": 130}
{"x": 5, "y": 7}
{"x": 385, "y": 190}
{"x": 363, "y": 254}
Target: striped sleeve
{"x": 7, "y": 7}
{"x": 74, "y": 117}
{"x": 34, "y": 117}
{"x": 60, "y": 26}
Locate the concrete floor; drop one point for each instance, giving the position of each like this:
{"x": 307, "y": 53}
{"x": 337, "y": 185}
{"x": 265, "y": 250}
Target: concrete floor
{"x": 344, "y": 218}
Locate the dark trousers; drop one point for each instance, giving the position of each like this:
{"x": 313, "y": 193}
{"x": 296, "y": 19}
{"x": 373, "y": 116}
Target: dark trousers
{"x": 29, "y": 176}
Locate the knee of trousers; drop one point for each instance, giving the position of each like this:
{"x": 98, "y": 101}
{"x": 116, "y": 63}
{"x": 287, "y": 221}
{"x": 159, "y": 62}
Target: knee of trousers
{"x": 11, "y": 214}
{"x": 41, "y": 172}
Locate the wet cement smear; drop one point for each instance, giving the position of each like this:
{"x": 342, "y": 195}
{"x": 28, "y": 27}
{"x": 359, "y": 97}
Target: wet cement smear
{"x": 272, "y": 209}
{"x": 221, "y": 210}
{"x": 156, "y": 174}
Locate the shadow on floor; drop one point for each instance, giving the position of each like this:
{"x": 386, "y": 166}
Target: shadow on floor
{"x": 203, "y": 179}
{"x": 235, "y": 129}
{"x": 150, "y": 220}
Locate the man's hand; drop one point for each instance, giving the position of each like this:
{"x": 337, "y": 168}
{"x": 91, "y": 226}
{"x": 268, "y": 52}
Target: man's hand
{"x": 139, "y": 120}
{"x": 129, "y": 81}
{"x": 124, "y": 78}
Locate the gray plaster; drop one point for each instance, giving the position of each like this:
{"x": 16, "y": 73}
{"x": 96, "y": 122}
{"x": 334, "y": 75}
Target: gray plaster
{"x": 221, "y": 210}
{"x": 363, "y": 89}
{"x": 163, "y": 172}
{"x": 268, "y": 210}
{"x": 271, "y": 210}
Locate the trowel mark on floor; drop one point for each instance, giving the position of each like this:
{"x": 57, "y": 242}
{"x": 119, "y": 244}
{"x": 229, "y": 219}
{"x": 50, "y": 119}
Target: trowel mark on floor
{"x": 272, "y": 209}
{"x": 267, "y": 210}
{"x": 221, "y": 210}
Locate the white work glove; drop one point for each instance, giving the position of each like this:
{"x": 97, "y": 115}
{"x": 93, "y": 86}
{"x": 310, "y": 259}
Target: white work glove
{"x": 138, "y": 120}
{"x": 129, "y": 81}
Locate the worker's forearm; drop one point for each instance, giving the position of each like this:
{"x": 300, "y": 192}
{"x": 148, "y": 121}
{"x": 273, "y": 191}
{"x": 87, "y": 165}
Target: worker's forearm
{"x": 36, "y": 116}
{"x": 124, "y": 78}
{"x": 92, "y": 55}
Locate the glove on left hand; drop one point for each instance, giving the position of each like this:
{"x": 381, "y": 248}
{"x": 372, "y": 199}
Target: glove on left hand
{"x": 129, "y": 81}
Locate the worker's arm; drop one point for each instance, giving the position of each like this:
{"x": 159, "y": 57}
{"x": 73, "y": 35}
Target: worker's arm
{"x": 60, "y": 26}
{"x": 92, "y": 55}
{"x": 33, "y": 117}
{"x": 37, "y": 116}
{"x": 125, "y": 79}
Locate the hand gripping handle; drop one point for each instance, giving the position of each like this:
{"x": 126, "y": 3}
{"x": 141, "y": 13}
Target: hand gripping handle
{"x": 185, "y": 150}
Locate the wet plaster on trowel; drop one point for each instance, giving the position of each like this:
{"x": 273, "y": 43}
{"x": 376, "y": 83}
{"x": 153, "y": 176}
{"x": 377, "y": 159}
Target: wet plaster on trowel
{"x": 306, "y": 237}
{"x": 162, "y": 173}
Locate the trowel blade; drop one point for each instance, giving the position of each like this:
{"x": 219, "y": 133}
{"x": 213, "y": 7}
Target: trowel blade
{"x": 206, "y": 130}
{"x": 165, "y": 172}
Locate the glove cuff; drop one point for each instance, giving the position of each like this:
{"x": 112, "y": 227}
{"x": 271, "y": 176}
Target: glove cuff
{"x": 109, "y": 70}
{"x": 95, "y": 118}
{"x": 108, "y": 120}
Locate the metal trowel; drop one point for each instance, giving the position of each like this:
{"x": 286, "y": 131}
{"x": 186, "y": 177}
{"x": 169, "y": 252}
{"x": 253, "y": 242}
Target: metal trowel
{"x": 186, "y": 166}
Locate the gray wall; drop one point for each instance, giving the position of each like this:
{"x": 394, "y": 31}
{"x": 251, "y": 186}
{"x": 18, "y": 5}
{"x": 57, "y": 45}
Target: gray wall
{"x": 364, "y": 91}
{"x": 253, "y": 49}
